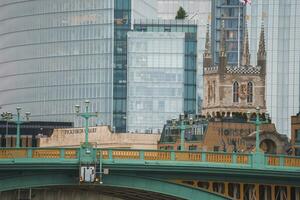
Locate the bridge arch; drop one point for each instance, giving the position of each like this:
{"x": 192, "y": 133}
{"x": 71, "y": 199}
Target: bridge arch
{"x": 35, "y": 180}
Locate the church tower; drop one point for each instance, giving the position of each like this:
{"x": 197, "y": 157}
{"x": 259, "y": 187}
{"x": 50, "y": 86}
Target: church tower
{"x": 234, "y": 89}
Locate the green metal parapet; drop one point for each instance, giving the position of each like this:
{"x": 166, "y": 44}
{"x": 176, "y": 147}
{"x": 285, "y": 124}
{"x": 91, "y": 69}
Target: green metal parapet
{"x": 88, "y": 154}
{"x": 36, "y": 167}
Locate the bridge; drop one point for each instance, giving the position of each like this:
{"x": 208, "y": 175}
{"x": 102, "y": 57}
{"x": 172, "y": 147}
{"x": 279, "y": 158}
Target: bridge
{"x": 152, "y": 174}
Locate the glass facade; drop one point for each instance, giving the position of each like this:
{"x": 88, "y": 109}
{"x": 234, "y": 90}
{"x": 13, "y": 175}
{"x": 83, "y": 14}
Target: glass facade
{"x": 200, "y": 11}
{"x": 282, "y": 30}
{"x": 155, "y": 79}
{"x": 190, "y": 55}
{"x": 122, "y": 24}
{"x": 124, "y": 12}
{"x": 227, "y": 11}
{"x": 54, "y": 55}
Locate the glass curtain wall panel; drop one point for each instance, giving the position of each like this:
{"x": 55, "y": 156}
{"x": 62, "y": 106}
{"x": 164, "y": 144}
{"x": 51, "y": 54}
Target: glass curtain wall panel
{"x": 200, "y": 11}
{"x": 54, "y": 55}
{"x": 281, "y": 21}
{"x": 189, "y": 28}
{"x": 227, "y": 11}
{"x": 124, "y": 12}
{"x": 155, "y": 79}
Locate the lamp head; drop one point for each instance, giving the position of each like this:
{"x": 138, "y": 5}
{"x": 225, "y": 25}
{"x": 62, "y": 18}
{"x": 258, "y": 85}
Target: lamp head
{"x": 191, "y": 120}
{"x": 87, "y": 102}
{"x": 267, "y": 115}
{"x": 18, "y": 109}
{"x": 173, "y": 122}
{"x": 27, "y": 114}
{"x": 248, "y": 115}
{"x": 181, "y": 116}
{"x": 9, "y": 115}
{"x": 77, "y": 108}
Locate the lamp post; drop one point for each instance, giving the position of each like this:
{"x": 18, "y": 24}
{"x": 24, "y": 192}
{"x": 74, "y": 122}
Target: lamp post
{"x": 6, "y": 116}
{"x": 18, "y": 121}
{"x": 182, "y": 127}
{"x": 257, "y": 123}
{"x": 86, "y": 115}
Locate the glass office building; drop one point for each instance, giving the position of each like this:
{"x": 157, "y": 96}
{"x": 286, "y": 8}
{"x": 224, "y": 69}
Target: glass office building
{"x": 282, "y": 31}
{"x": 55, "y": 54}
{"x": 199, "y": 11}
{"x": 190, "y": 53}
{"x": 227, "y": 11}
{"x": 155, "y": 79}
{"x": 125, "y": 11}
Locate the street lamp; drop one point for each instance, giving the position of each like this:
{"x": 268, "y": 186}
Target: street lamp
{"x": 18, "y": 121}
{"x": 257, "y": 123}
{"x": 86, "y": 115}
{"x": 6, "y": 116}
{"x": 182, "y": 127}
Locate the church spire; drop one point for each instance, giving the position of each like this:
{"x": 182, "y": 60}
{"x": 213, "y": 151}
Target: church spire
{"x": 222, "y": 41}
{"x": 261, "y": 54}
{"x": 207, "y": 59}
{"x": 222, "y": 52}
{"x": 246, "y": 53}
{"x": 207, "y": 52}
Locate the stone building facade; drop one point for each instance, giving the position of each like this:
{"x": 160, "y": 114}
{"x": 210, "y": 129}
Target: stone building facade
{"x": 100, "y": 137}
{"x": 234, "y": 89}
{"x": 225, "y": 134}
{"x": 295, "y": 134}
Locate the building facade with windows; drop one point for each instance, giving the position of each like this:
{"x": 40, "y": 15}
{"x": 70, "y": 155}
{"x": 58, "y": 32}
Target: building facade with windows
{"x": 200, "y": 12}
{"x": 55, "y": 54}
{"x": 295, "y": 134}
{"x": 125, "y": 11}
{"x": 155, "y": 79}
{"x": 282, "y": 28}
{"x": 233, "y": 13}
{"x": 189, "y": 28}
{"x": 222, "y": 133}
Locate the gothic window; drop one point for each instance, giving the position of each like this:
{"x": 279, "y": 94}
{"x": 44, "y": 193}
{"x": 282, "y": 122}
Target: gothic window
{"x": 250, "y": 92}
{"x": 235, "y": 91}
{"x": 208, "y": 92}
{"x": 214, "y": 91}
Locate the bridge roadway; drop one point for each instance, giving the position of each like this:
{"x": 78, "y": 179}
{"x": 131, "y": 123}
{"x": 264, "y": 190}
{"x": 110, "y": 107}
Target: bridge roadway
{"x": 155, "y": 174}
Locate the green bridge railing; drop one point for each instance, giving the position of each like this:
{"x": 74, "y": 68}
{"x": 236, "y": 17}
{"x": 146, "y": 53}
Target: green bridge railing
{"x": 121, "y": 155}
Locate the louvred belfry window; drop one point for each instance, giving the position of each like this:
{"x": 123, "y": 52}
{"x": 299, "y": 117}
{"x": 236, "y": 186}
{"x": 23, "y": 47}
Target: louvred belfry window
{"x": 250, "y": 92}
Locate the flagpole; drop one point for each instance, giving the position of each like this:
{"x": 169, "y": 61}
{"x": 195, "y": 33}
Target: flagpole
{"x": 238, "y": 35}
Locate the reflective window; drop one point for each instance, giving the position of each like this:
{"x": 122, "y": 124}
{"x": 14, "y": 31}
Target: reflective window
{"x": 155, "y": 79}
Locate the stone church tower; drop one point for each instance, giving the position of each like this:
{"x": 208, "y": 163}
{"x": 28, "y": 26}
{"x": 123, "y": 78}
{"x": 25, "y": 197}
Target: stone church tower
{"x": 232, "y": 89}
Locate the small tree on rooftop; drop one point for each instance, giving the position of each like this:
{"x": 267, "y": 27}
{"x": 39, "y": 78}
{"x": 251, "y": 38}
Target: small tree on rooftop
{"x": 181, "y": 14}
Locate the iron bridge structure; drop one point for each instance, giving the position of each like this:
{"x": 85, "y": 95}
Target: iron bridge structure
{"x": 152, "y": 174}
